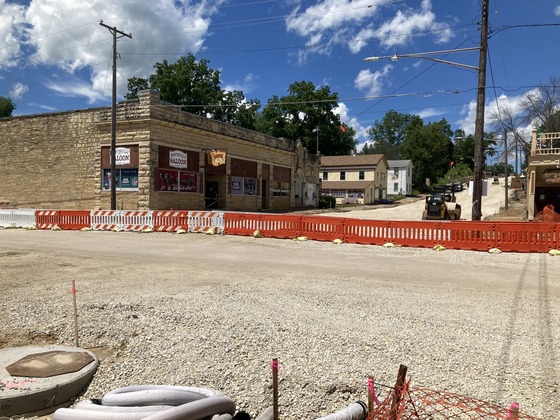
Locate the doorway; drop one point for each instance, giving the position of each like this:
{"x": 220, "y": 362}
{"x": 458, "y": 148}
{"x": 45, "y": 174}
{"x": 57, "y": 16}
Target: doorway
{"x": 264, "y": 195}
{"x": 211, "y": 196}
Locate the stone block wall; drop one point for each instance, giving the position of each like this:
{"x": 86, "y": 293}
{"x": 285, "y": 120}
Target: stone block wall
{"x": 50, "y": 161}
{"x": 53, "y": 161}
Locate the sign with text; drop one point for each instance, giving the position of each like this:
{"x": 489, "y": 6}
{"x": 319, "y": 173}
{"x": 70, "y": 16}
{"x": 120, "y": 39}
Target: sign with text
{"x": 178, "y": 159}
{"x": 122, "y": 156}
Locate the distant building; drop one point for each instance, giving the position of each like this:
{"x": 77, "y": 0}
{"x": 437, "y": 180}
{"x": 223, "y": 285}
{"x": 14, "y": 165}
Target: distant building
{"x": 165, "y": 159}
{"x": 399, "y": 177}
{"x": 543, "y": 173}
{"x": 359, "y": 179}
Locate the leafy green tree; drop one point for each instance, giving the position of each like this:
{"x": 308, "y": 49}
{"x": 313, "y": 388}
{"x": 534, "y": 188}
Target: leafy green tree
{"x": 307, "y": 114}
{"x": 195, "y": 86}
{"x": 458, "y": 173}
{"x": 431, "y": 150}
{"x": 6, "y": 107}
{"x": 388, "y": 134}
{"x": 500, "y": 169}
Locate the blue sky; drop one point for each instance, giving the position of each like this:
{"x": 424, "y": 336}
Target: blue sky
{"x": 55, "y": 56}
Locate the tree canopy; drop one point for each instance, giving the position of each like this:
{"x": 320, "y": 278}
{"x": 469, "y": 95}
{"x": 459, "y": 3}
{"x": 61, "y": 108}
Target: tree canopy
{"x": 7, "y": 107}
{"x": 195, "y": 86}
{"x": 308, "y": 113}
{"x": 388, "y": 134}
{"x": 431, "y": 150}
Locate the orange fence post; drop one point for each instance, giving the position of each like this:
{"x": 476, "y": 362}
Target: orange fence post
{"x": 399, "y": 388}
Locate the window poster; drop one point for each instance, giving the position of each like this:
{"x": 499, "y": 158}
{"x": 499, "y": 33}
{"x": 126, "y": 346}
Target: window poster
{"x": 236, "y": 185}
{"x": 168, "y": 180}
{"x": 249, "y": 186}
{"x": 128, "y": 179}
{"x": 125, "y": 179}
{"x": 188, "y": 182}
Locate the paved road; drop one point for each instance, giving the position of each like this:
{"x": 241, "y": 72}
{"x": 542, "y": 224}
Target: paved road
{"x": 491, "y": 204}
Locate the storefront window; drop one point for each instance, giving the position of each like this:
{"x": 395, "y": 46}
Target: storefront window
{"x": 243, "y": 186}
{"x": 125, "y": 179}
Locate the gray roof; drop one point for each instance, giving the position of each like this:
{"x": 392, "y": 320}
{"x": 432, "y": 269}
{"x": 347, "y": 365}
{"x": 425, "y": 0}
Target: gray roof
{"x": 399, "y": 163}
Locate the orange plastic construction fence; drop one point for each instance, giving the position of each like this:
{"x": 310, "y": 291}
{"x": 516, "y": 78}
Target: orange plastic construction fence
{"x": 467, "y": 235}
{"x": 64, "y": 219}
{"x": 170, "y": 220}
{"x": 548, "y": 215}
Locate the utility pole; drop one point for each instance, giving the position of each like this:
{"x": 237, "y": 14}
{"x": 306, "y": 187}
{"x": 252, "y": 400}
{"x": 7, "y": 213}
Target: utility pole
{"x": 506, "y": 163}
{"x": 479, "y": 123}
{"x": 114, "y": 31}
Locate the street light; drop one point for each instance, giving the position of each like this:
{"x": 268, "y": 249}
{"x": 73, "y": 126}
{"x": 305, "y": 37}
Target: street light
{"x": 480, "y": 100}
{"x": 426, "y": 56}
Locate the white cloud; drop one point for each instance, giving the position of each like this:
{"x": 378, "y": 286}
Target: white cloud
{"x": 557, "y": 10}
{"x": 246, "y": 85}
{"x": 75, "y": 89}
{"x": 428, "y": 113}
{"x": 361, "y": 131}
{"x": 403, "y": 26}
{"x": 158, "y": 27}
{"x": 11, "y": 26}
{"x": 513, "y": 104}
{"x": 335, "y": 20}
{"x": 373, "y": 83}
{"x": 18, "y": 90}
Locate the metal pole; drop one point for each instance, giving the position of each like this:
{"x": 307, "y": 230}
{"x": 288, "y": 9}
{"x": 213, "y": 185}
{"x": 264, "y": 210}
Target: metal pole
{"x": 479, "y": 123}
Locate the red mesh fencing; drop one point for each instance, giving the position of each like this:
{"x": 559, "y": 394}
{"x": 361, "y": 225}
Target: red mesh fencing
{"x": 423, "y": 403}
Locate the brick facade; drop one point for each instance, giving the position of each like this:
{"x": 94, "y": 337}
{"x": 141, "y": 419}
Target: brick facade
{"x": 55, "y": 161}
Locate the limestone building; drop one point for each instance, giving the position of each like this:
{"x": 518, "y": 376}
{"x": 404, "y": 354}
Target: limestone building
{"x": 165, "y": 159}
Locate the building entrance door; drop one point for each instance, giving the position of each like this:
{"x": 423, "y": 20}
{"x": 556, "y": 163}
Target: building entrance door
{"x": 211, "y": 197}
{"x": 264, "y": 195}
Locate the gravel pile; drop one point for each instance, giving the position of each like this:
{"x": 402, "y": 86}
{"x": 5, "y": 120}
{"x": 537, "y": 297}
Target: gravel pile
{"x": 476, "y": 324}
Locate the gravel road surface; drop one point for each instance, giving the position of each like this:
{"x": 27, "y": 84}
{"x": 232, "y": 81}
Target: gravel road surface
{"x": 212, "y": 311}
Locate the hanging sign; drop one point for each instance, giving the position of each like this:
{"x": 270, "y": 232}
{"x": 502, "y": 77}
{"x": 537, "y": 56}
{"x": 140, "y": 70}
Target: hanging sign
{"x": 178, "y": 159}
{"x": 217, "y": 157}
{"x": 551, "y": 176}
{"x": 122, "y": 156}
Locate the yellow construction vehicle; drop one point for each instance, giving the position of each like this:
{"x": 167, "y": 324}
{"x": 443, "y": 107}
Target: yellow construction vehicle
{"x": 442, "y": 205}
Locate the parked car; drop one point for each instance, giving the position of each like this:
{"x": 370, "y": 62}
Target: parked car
{"x": 457, "y": 186}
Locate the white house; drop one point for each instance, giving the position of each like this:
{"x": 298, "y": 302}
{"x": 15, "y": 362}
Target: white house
{"x": 399, "y": 177}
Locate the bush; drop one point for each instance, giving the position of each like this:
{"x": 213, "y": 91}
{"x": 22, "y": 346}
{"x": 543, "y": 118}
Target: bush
{"x": 327, "y": 202}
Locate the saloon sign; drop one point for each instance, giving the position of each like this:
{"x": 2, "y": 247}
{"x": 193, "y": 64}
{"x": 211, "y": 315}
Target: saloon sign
{"x": 122, "y": 156}
{"x": 178, "y": 159}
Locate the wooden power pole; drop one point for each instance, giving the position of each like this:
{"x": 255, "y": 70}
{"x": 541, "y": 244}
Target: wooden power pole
{"x": 479, "y": 123}
{"x": 114, "y": 31}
